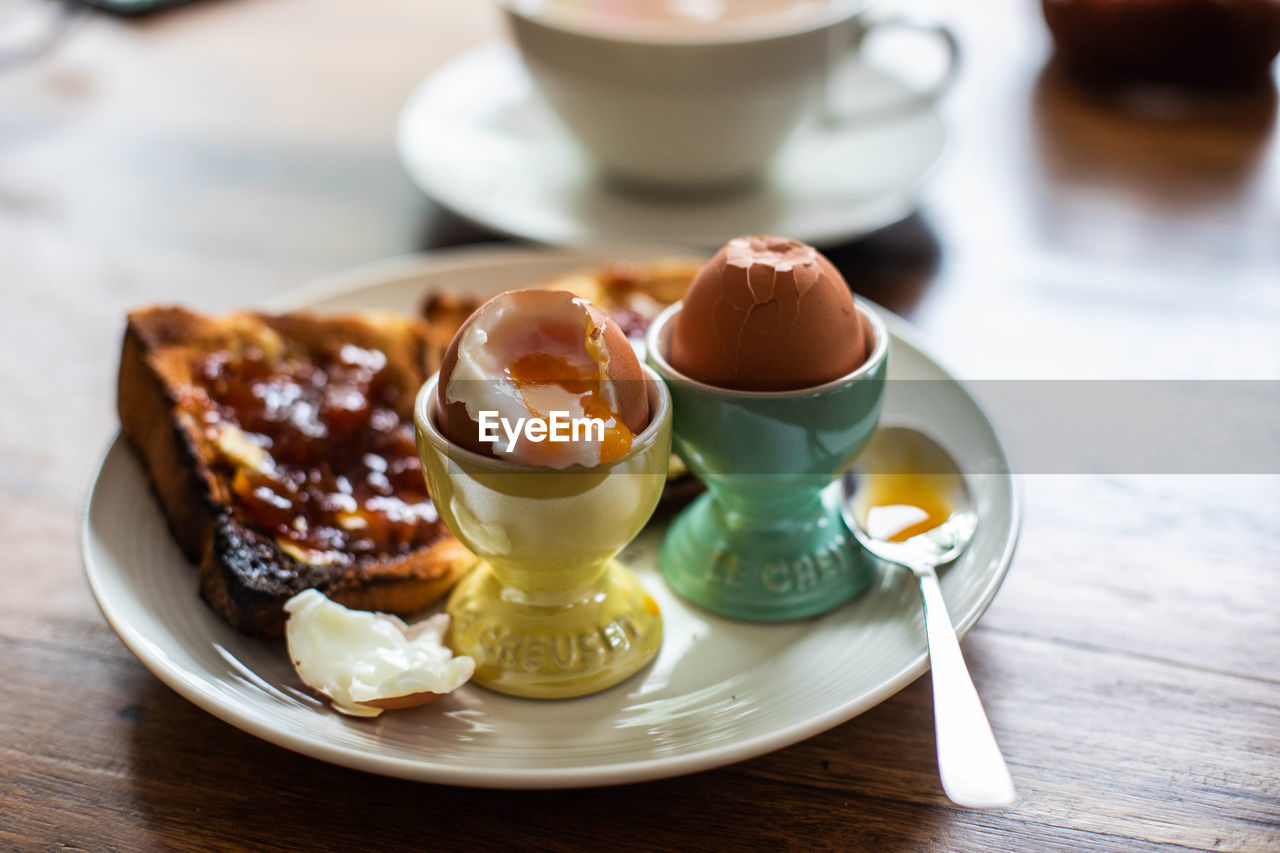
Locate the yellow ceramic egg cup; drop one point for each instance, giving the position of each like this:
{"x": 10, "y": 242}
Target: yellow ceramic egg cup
{"x": 550, "y": 613}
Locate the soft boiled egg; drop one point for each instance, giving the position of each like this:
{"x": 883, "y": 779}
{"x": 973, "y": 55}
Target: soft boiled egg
{"x": 365, "y": 662}
{"x": 529, "y": 357}
{"x": 769, "y": 314}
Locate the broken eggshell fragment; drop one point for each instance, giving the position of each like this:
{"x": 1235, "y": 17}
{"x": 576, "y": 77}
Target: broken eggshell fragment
{"x": 366, "y": 662}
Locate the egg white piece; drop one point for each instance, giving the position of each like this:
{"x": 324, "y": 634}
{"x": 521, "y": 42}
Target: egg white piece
{"x": 357, "y": 657}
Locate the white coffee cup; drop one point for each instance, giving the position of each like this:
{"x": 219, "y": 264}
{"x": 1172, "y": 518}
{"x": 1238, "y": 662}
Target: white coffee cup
{"x": 697, "y": 108}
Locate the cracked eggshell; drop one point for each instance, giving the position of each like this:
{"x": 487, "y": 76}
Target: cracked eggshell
{"x": 768, "y": 314}
{"x": 559, "y": 317}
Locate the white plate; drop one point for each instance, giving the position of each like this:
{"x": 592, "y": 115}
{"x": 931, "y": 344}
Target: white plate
{"x": 720, "y": 691}
{"x": 477, "y": 138}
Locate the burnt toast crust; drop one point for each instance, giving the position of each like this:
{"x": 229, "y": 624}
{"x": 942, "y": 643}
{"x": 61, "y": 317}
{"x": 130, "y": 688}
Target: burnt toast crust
{"x": 244, "y": 574}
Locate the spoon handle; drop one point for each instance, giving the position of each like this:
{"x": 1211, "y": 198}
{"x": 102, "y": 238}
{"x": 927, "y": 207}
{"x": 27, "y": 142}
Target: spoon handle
{"x": 973, "y": 771}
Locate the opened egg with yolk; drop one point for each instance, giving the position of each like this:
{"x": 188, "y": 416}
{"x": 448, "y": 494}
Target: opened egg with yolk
{"x": 542, "y": 378}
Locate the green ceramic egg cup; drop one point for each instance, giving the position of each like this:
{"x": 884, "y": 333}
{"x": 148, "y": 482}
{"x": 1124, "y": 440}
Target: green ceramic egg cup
{"x": 549, "y": 613}
{"x": 766, "y": 542}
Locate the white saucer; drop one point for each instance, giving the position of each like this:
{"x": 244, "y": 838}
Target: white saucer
{"x": 720, "y": 690}
{"x": 477, "y": 138}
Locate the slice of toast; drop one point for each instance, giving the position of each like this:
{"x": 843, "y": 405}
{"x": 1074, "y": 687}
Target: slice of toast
{"x": 282, "y": 452}
{"x": 633, "y": 294}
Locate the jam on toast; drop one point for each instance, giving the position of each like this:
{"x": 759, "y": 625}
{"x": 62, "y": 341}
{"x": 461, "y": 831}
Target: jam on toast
{"x": 282, "y": 452}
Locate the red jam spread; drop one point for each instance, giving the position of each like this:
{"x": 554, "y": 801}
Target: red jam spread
{"x": 339, "y": 479}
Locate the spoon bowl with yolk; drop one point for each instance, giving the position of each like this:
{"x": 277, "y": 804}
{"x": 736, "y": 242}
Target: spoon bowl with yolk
{"x": 903, "y": 486}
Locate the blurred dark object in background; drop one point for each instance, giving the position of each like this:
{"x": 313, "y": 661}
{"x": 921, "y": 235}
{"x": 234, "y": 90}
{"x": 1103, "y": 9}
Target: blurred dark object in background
{"x": 132, "y": 8}
{"x": 1212, "y": 43}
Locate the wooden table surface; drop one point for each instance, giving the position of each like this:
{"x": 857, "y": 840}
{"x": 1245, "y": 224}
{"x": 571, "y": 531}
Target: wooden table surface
{"x": 226, "y": 151}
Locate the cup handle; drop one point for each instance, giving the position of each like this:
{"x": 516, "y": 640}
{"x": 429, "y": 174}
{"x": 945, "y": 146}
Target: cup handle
{"x": 908, "y": 104}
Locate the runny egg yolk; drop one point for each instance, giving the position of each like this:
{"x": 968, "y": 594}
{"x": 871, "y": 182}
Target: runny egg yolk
{"x": 901, "y": 505}
{"x": 541, "y": 369}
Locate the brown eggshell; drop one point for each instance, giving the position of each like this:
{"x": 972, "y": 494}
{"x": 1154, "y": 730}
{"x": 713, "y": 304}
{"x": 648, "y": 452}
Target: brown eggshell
{"x": 768, "y": 314}
{"x": 396, "y": 703}
{"x": 624, "y": 371}
{"x": 455, "y": 424}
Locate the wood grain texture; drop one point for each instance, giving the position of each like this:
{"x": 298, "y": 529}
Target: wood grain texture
{"x": 225, "y": 151}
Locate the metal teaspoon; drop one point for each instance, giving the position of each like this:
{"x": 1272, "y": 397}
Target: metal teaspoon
{"x": 972, "y": 770}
